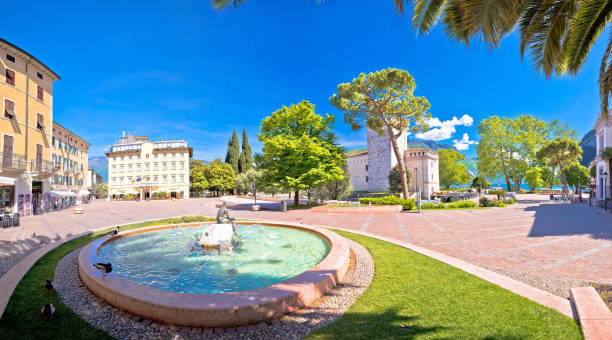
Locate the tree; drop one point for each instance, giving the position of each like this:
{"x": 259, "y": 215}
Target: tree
{"x": 508, "y": 147}
{"x": 220, "y": 176}
{"x": 452, "y": 172}
{"x": 198, "y": 178}
{"x": 245, "y": 180}
{"x": 102, "y": 189}
{"x": 593, "y": 171}
{"x": 299, "y": 149}
{"x": 561, "y": 152}
{"x": 395, "y": 179}
{"x": 335, "y": 190}
{"x": 246, "y": 155}
{"x": 480, "y": 182}
{"x": 534, "y": 178}
{"x": 577, "y": 176}
{"x": 232, "y": 156}
{"x": 384, "y": 102}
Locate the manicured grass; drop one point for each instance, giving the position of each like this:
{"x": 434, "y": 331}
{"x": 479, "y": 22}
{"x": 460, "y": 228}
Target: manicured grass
{"x": 22, "y": 320}
{"x": 303, "y": 206}
{"x": 438, "y": 301}
{"x": 344, "y": 205}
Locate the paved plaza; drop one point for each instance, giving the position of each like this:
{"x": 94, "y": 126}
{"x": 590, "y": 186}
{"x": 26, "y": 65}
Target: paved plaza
{"x": 534, "y": 236}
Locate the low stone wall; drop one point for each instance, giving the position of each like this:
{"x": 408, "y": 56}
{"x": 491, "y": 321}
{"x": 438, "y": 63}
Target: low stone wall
{"x": 223, "y": 309}
{"x": 365, "y": 208}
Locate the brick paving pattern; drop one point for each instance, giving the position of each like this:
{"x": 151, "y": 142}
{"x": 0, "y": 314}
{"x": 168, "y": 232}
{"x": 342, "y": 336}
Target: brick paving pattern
{"x": 534, "y": 236}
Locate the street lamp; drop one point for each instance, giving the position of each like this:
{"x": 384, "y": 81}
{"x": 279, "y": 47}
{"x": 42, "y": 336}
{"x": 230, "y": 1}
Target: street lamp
{"x": 605, "y": 192}
{"x": 416, "y": 183}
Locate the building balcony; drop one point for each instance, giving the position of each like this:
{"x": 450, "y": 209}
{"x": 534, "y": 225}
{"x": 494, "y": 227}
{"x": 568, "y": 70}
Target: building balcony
{"x": 40, "y": 166}
{"x": 13, "y": 162}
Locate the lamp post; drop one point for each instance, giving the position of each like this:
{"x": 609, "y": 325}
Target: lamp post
{"x": 416, "y": 183}
{"x": 605, "y": 191}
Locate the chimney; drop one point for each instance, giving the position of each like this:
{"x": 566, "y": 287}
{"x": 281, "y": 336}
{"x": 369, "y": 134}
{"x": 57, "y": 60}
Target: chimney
{"x": 123, "y": 133}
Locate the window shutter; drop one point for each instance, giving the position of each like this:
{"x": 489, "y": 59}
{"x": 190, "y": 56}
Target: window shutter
{"x": 10, "y": 77}
{"x": 40, "y": 93}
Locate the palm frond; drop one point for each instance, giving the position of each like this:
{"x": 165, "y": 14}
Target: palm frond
{"x": 591, "y": 18}
{"x": 546, "y": 32}
{"x": 605, "y": 77}
{"x": 426, "y": 13}
{"x": 492, "y": 20}
{"x": 221, "y": 5}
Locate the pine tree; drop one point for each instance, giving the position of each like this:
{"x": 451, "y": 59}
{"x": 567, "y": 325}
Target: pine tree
{"x": 246, "y": 156}
{"x": 233, "y": 152}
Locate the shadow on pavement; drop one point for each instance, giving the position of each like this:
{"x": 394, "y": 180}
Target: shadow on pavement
{"x": 567, "y": 219}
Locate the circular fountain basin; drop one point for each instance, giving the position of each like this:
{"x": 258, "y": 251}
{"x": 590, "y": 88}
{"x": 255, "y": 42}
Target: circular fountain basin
{"x": 162, "y": 274}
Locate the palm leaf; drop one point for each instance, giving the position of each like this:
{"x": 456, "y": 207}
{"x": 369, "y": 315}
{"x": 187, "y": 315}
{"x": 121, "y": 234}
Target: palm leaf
{"x": 605, "y": 77}
{"x": 543, "y": 28}
{"x": 592, "y": 17}
{"x": 221, "y": 5}
{"x": 426, "y": 13}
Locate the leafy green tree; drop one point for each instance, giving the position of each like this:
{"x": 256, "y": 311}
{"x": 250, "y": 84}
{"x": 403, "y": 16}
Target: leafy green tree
{"x": 577, "y": 176}
{"x": 384, "y": 102}
{"x": 195, "y": 163}
{"x": 102, "y": 190}
{"x": 198, "y": 177}
{"x": 232, "y": 156}
{"x": 245, "y": 162}
{"x": 534, "y": 178}
{"x": 395, "y": 179}
{"x": 593, "y": 171}
{"x": 480, "y": 182}
{"x": 508, "y": 147}
{"x": 220, "y": 176}
{"x": 561, "y": 152}
{"x": 245, "y": 180}
{"x": 556, "y": 129}
{"x": 452, "y": 172}
{"x": 335, "y": 190}
{"x": 299, "y": 149}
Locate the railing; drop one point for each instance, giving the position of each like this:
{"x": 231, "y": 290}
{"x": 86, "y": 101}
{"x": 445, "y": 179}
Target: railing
{"x": 41, "y": 166}
{"x": 13, "y": 161}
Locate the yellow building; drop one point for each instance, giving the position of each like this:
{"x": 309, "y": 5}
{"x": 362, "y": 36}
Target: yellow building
{"x": 69, "y": 157}
{"x": 26, "y": 92}
{"x": 142, "y": 169}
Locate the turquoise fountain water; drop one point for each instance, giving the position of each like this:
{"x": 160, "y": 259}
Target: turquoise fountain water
{"x": 171, "y": 259}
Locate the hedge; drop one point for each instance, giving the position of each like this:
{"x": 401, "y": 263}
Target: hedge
{"x": 407, "y": 204}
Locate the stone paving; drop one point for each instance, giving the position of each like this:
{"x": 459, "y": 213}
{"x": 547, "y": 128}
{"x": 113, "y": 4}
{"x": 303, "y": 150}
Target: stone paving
{"x": 123, "y": 325}
{"x": 536, "y": 235}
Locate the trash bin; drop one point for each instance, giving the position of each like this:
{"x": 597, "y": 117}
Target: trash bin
{"x": 283, "y": 206}
{"x": 552, "y": 197}
{"x": 15, "y": 219}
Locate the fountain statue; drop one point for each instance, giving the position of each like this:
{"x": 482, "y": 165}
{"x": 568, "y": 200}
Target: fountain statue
{"x": 220, "y": 233}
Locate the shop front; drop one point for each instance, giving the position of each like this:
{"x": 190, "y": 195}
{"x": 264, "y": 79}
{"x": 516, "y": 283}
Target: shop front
{"x": 7, "y": 194}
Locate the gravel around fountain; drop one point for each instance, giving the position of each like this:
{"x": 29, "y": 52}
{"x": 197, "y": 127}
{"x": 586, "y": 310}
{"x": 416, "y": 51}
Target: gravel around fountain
{"x": 123, "y": 325}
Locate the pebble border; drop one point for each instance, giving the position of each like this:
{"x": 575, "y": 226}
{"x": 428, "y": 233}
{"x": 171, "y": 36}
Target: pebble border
{"x": 123, "y": 325}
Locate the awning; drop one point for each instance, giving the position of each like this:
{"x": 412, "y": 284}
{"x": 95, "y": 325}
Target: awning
{"x": 7, "y": 180}
{"x": 60, "y": 194}
{"x": 83, "y": 192}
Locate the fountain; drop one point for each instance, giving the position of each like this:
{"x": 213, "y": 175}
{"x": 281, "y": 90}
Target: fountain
{"x": 168, "y": 273}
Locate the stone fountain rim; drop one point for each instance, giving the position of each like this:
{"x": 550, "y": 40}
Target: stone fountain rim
{"x": 217, "y": 309}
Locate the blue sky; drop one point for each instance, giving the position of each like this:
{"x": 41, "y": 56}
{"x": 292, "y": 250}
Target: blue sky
{"x": 179, "y": 69}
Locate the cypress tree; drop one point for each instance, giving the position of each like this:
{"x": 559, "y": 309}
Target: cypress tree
{"x": 246, "y": 156}
{"x": 233, "y": 152}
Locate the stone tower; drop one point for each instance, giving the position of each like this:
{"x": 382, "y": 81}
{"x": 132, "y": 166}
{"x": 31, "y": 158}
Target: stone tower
{"x": 381, "y": 159}
{"x": 423, "y": 166}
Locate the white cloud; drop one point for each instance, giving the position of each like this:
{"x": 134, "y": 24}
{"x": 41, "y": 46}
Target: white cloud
{"x": 444, "y": 129}
{"x": 463, "y": 143}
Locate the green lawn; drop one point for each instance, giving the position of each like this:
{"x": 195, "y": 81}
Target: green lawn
{"x": 438, "y": 301}
{"x": 22, "y": 320}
